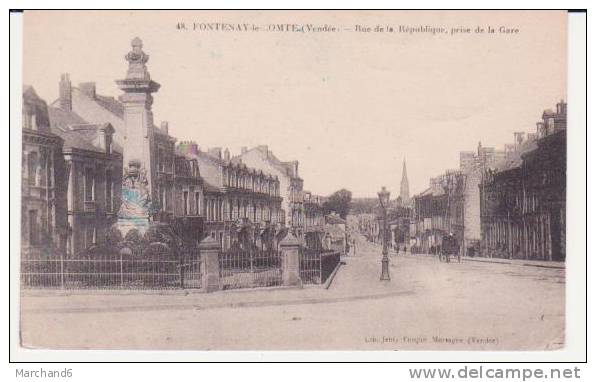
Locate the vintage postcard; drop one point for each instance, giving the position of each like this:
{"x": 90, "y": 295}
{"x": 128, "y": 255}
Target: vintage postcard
{"x": 294, "y": 180}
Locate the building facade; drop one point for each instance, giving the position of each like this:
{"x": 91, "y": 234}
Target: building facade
{"x": 523, "y": 212}
{"x": 314, "y": 221}
{"x": 242, "y": 205}
{"x": 43, "y": 187}
{"x": 291, "y": 185}
{"x": 473, "y": 164}
{"x": 439, "y": 211}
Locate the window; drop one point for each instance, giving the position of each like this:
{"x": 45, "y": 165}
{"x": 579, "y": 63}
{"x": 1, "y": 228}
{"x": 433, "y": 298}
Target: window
{"x": 32, "y": 164}
{"x": 88, "y": 237}
{"x": 186, "y": 202}
{"x": 33, "y": 228}
{"x": 49, "y": 169}
{"x": 197, "y": 203}
{"x": 234, "y": 210}
{"x": 109, "y": 191}
{"x": 162, "y": 198}
{"x": 161, "y": 160}
{"x": 89, "y": 185}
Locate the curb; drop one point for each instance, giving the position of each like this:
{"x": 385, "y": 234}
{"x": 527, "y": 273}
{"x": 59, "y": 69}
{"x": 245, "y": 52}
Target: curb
{"x": 332, "y": 276}
{"x": 553, "y": 266}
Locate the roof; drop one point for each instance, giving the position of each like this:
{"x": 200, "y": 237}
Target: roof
{"x": 110, "y": 104}
{"x": 76, "y": 132}
{"x": 285, "y": 167}
{"x": 431, "y": 191}
{"x": 35, "y": 105}
{"x": 514, "y": 159}
{"x": 64, "y": 119}
{"x": 75, "y": 139}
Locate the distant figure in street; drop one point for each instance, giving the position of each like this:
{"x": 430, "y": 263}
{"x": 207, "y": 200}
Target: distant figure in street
{"x": 449, "y": 247}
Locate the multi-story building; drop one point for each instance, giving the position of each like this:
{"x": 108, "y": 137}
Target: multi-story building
{"x": 291, "y": 185}
{"x": 430, "y": 215}
{"x": 43, "y": 188}
{"x": 473, "y": 164}
{"x": 439, "y": 210}
{"x": 523, "y": 197}
{"x": 241, "y": 204}
{"x": 314, "y": 220}
{"x": 72, "y": 172}
{"x": 94, "y": 178}
{"x": 157, "y": 184}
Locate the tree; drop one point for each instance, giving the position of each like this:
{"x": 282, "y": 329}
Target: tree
{"x": 338, "y": 202}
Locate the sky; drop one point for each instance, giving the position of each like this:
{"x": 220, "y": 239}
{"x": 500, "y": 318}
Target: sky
{"x": 349, "y": 106}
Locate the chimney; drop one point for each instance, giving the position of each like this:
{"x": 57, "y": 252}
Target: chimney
{"x": 88, "y": 88}
{"x": 562, "y": 107}
{"x": 65, "y": 87}
{"x": 244, "y": 150}
{"x": 227, "y": 154}
{"x": 165, "y": 127}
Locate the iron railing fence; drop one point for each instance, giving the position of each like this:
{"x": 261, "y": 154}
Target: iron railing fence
{"x": 250, "y": 268}
{"x": 317, "y": 264}
{"x": 111, "y": 271}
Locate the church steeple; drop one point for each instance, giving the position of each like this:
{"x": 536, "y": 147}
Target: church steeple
{"x": 404, "y": 191}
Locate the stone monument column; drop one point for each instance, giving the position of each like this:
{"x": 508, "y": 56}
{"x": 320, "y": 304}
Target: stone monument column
{"x": 138, "y": 188}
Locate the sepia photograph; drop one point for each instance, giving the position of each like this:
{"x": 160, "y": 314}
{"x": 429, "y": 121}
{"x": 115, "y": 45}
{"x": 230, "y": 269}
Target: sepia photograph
{"x": 293, "y": 180}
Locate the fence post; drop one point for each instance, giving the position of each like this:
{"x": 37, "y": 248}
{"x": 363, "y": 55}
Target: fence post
{"x": 121, "y": 272}
{"x": 61, "y": 270}
{"x": 290, "y": 254}
{"x": 181, "y": 270}
{"x": 123, "y": 251}
{"x": 209, "y": 249}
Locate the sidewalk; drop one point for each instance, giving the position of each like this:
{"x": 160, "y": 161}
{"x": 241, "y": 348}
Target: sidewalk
{"x": 498, "y": 260}
{"x": 528, "y": 263}
{"x": 356, "y": 279}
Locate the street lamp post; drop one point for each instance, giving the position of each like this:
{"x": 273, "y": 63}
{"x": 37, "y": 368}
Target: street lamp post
{"x": 384, "y": 201}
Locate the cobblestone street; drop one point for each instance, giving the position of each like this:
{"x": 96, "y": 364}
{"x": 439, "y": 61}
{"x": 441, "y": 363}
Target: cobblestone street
{"x": 426, "y": 305}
